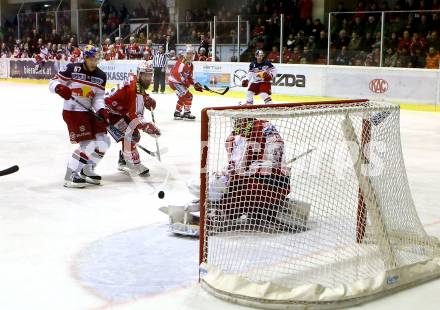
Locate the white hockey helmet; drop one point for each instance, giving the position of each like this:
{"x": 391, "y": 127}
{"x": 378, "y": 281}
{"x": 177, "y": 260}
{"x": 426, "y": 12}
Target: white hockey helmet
{"x": 145, "y": 67}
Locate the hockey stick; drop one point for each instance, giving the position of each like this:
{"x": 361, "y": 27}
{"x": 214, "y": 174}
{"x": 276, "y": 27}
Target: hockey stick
{"x": 112, "y": 130}
{"x": 224, "y": 91}
{"x": 301, "y": 155}
{"x": 157, "y": 142}
{"x": 9, "y": 170}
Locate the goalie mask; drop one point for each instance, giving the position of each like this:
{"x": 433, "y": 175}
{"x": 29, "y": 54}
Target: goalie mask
{"x": 243, "y": 126}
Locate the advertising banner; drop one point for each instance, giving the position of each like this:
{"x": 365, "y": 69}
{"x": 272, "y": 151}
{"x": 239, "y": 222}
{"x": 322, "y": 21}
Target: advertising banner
{"x": 4, "y": 65}
{"x": 27, "y": 69}
{"x": 413, "y": 86}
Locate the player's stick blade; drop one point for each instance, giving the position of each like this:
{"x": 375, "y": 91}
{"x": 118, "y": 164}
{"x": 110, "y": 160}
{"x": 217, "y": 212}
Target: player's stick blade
{"x": 9, "y": 170}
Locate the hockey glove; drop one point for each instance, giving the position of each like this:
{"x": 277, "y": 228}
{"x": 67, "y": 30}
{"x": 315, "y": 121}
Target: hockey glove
{"x": 198, "y": 87}
{"x": 64, "y": 91}
{"x": 105, "y": 115}
{"x": 151, "y": 129}
{"x": 149, "y": 103}
{"x": 244, "y": 83}
{"x": 267, "y": 77}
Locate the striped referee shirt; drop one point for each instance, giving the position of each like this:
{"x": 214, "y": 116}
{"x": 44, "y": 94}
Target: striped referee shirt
{"x": 160, "y": 60}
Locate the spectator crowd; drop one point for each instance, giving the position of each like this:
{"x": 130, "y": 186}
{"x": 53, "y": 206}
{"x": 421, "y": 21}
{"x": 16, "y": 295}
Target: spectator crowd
{"x": 411, "y": 39}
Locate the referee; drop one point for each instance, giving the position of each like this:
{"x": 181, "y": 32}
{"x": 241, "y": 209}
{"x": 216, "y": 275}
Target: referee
{"x": 160, "y": 60}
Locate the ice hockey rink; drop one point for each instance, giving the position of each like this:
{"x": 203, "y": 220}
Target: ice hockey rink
{"x": 107, "y": 247}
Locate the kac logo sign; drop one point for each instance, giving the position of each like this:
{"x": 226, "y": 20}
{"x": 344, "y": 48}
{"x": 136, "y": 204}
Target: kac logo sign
{"x": 379, "y": 86}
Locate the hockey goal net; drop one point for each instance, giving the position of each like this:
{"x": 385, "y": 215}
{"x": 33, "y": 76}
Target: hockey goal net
{"x": 329, "y": 223}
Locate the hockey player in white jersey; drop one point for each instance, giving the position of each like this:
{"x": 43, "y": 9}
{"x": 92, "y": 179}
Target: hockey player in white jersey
{"x": 83, "y": 82}
{"x": 261, "y": 73}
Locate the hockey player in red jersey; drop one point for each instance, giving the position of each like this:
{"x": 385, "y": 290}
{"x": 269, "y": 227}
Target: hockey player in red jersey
{"x": 126, "y": 105}
{"x": 258, "y": 182}
{"x": 84, "y": 82}
{"x": 254, "y": 184}
{"x": 180, "y": 79}
{"x": 261, "y": 73}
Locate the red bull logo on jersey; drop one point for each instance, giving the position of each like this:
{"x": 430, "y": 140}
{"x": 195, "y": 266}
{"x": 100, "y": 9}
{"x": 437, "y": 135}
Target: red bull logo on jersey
{"x": 85, "y": 92}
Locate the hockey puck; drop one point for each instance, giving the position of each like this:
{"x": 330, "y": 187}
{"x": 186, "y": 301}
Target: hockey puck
{"x": 161, "y": 194}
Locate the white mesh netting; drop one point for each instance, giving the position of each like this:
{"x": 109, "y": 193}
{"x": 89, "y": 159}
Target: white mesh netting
{"x": 308, "y": 195}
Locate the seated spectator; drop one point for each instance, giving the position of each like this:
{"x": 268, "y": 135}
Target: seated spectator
{"x": 432, "y": 59}
{"x": 417, "y": 58}
{"x": 372, "y": 25}
{"x": 377, "y": 40}
{"x": 396, "y": 24}
{"x": 274, "y": 55}
{"x": 355, "y": 42}
{"x": 390, "y": 58}
{"x": 403, "y": 58}
{"x": 367, "y": 43}
{"x": 417, "y": 42}
{"x": 433, "y": 40}
{"x": 423, "y": 27}
{"x": 392, "y": 41}
{"x": 373, "y": 58}
{"x": 296, "y": 55}
{"x": 287, "y": 55}
{"x": 358, "y": 26}
{"x": 290, "y": 42}
{"x": 342, "y": 58}
{"x": 341, "y": 40}
{"x": 308, "y": 54}
{"x": 406, "y": 41}
{"x": 300, "y": 39}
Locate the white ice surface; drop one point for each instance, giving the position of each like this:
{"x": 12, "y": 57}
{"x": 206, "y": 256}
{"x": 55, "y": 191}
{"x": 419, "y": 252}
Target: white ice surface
{"x": 107, "y": 247}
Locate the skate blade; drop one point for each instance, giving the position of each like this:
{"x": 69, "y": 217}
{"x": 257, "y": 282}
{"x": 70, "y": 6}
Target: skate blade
{"x": 178, "y": 118}
{"x": 189, "y": 120}
{"x": 129, "y": 171}
{"x": 69, "y": 184}
{"x": 92, "y": 181}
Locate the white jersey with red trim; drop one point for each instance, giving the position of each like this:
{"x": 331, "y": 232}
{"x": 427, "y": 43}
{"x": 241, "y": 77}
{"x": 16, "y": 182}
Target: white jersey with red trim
{"x": 87, "y": 87}
{"x": 257, "y": 70}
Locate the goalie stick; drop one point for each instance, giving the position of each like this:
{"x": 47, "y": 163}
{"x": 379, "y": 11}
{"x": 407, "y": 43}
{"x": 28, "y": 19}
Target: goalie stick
{"x": 116, "y": 134}
{"x": 301, "y": 155}
{"x": 9, "y": 170}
